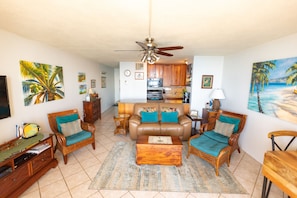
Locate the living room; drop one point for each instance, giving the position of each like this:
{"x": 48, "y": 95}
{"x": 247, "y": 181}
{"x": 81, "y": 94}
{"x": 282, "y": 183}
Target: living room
{"x": 232, "y": 73}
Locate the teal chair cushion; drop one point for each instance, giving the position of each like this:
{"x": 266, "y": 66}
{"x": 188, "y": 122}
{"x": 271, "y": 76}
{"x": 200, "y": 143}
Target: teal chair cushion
{"x": 78, "y": 137}
{"x": 208, "y": 145}
{"x": 230, "y": 120}
{"x": 64, "y": 119}
{"x": 217, "y": 137}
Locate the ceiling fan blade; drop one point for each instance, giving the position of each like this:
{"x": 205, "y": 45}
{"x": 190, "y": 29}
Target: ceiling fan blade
{"x": 170, "y": 48}
{"x": 127, "y": 50}
{"x": 142, "y": 45}
{"x": 163, "y": 53}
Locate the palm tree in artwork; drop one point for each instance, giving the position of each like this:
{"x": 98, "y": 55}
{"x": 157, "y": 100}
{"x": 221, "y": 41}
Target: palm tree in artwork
{"x": 44, "y": 83}
{"x": 292, "y": 71}
{"x": 260, "y": 77}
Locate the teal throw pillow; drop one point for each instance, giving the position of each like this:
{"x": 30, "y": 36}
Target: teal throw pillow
{"x": 149, "y": 116}
{"x": 230, "y": 120}
{"x": 64, "y": 119}
{"x": 169, "y": 116}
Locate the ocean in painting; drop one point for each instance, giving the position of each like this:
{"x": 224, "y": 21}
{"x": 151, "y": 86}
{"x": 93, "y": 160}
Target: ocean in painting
{"x": 277, "y": 100}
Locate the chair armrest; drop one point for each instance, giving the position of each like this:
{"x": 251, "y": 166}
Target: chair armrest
{"x": 203, "y": 127}
{"x": 88, "y": 127}
{"x": 233, "y": 139}
{"x": 60, "y": 138}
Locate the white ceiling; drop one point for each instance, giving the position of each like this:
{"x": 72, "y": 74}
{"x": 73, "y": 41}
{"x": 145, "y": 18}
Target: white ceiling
{"x": 94, "y": 29}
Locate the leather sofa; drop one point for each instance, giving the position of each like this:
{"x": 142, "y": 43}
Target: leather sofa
{"x": 181, "y": 128}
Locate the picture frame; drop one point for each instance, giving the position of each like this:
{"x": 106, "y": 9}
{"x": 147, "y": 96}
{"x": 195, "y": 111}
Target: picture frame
{"x": 103, "y": 82}
{"x": 139, "y": 75}
{"x": 194, "y": 113}
{"x": 207, "y": 81}
{"x": 93, "y": 83}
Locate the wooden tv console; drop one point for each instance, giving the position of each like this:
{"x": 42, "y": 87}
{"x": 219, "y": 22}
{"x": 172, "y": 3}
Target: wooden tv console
{"x": 18, "y": 169}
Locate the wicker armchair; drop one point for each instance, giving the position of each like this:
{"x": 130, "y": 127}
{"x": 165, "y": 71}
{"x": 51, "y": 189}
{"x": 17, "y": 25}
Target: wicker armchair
{"x": 70, "y": 143}
{"x": 212, "y": 145}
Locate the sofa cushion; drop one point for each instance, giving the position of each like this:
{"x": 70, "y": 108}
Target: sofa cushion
{"x": 70, "y": 128}
{"x": 64, "y": 119}
{"x": 217, "y": 137}
{"x": 78, "y": 137}
{"x": 168, "y": 109}
{"x": 169, "y": 117}
{"x": 224, "y": 128}
{"x": 207, "y": 145}
{"x": 230, "y": 120}
{"x": 149, "y": 116}
{"x": 149, "y": 109}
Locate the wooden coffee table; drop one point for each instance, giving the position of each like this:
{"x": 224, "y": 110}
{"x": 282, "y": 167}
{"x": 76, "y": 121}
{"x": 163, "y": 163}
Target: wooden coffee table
{"x": 163, "y": 154}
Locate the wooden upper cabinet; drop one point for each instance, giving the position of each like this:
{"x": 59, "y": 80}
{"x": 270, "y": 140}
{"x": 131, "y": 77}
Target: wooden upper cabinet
{"x": 155, "y": 71}
{"x": 172, "y": 74}
{"x": 178, "y": 75}
{"x": 166, "y": 75}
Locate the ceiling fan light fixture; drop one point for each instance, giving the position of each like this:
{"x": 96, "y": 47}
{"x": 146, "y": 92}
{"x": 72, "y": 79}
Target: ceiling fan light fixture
{"x": 155, "y": 56}
{"x": 143, "y": 59}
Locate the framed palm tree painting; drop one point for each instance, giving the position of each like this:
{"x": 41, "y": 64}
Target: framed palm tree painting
{"x": 41, "y": 82}
{"x": 273, "y": 88}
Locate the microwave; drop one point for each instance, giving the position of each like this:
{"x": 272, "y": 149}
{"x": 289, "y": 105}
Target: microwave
{"x": 154, "y": 82}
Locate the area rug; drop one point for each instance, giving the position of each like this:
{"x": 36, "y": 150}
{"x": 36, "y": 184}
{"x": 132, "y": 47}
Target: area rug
{"x": 120, "y": 172}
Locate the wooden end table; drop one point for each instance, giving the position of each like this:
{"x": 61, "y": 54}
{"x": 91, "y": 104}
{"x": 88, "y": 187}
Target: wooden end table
{"x": 122, "y": 124}
{"x": 195, "y": 119}
{"x": 163, "y": 154}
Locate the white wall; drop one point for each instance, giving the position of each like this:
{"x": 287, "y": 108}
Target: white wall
{"x": 236, "y": 82}
{"x": 13, "y": 49}
{"x": 205, "y": 65}
{"x": 129, "y": 87}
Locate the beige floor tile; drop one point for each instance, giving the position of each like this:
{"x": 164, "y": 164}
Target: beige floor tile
{"x": 175, "y": 194}
{"x": 82, "y": 190}
{"x": 113, "y": 193}
{"x": 52, "y": 176}
{"x": 204, "y": 195}
{"x": 70, "y": 169}
{"x": 54, "y": 189}
{"x": 31, "y": 194}
{"x": 77, "y": 179}
{"x": 93, "y": 170}
{"x": 144, "y": 194}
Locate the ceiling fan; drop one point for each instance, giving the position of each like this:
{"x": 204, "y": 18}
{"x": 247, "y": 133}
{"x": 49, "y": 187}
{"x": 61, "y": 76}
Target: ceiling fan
{"x": 151, "y": 51}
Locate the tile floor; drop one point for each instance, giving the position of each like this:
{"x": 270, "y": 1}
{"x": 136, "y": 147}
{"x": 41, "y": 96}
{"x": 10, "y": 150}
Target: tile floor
{"x": 73, "y": 179}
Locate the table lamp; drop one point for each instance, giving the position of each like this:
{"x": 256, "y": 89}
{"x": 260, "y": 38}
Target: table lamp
{"x": 216, "y": 95}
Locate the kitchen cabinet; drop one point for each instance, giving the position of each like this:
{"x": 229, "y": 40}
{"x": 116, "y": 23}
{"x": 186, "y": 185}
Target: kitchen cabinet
{"x": 178, "y": 75}
{"x": 155, "y": 71}
{"x": 166, "y": 75}
{"x": 172, "y": 74}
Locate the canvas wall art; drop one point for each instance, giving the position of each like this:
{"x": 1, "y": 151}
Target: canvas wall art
{"x": 41, "y": 82}
{"x": 273, "y": 88}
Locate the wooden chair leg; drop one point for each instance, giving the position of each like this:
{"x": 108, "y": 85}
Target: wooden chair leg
{"x": 65, "y": 159}
{"x": 94, "y": 145}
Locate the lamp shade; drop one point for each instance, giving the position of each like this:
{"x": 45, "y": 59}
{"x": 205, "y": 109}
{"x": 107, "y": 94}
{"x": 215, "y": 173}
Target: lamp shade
{"x": 217, "y": 94}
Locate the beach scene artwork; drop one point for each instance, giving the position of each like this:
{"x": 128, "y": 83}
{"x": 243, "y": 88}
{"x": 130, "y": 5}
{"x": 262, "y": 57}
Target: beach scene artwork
{"x": 273, "y": 88}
